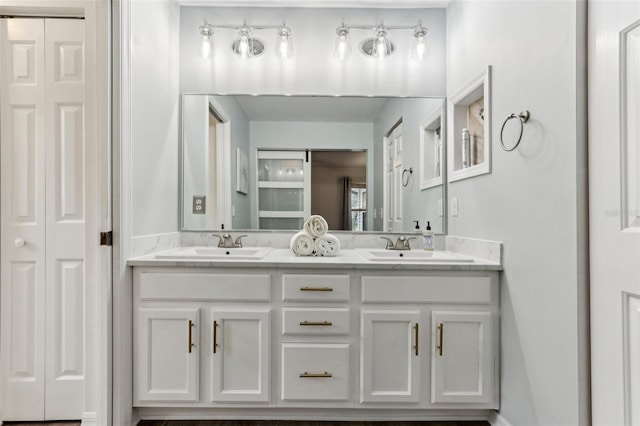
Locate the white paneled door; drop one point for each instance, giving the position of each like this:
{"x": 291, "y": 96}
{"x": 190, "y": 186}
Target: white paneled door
{"x": 614, "y": 210}
{"x": 43, "y": 219}
{"x": 393, "y": 173}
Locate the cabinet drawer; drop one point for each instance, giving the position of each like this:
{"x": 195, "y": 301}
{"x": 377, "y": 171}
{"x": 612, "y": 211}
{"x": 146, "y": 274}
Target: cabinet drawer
{"x": 316, "y": 287}
{"x": 315, "y": 372}
{"x": 427, "y": 289}
{"x": 322, "y": 321}
{"x": 205, "y": 286}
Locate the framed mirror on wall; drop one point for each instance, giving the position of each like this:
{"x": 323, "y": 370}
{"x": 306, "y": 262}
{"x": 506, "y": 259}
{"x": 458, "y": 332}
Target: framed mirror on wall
{"x": 338, "y": 171}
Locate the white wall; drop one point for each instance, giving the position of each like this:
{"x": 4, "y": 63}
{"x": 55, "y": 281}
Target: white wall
{"x": 532, "y": 199}
{"x": 155, "y": 104}
{"x": 313, "y": 70}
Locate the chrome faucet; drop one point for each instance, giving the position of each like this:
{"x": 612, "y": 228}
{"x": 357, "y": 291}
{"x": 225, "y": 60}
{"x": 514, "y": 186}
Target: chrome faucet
{"x": 225, "y": 241}
{"x": 402, "y": 243}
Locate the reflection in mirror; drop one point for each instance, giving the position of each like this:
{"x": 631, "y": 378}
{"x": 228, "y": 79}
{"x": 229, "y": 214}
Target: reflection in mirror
{"x": 267, "y": 162}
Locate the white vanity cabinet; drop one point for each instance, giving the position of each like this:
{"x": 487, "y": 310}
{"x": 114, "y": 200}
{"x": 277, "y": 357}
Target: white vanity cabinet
{"x": 201, "y": 337}
{"x": 390, "y": 354}
{"x": 276, "y": 339}
{"x": 316, "y": 342}
{"x": 430, "y": 334}
{"x": 167, "y": 344}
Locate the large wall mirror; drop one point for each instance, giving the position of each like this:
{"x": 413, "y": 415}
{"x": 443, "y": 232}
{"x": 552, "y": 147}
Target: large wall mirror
{"x": 267, "y": 162}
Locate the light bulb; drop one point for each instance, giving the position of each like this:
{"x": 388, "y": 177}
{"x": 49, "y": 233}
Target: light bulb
{"x": 243, "y": 47}
{"x": 381, "y": 48}
{"x": 419, "y": 49}
{"x": 206, "y": 47}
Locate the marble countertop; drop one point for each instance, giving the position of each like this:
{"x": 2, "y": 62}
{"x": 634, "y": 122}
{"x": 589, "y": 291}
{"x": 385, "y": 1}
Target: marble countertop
{"x": 346, "y": 258}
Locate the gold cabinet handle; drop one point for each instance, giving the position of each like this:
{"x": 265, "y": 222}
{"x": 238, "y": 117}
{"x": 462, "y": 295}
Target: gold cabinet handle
{"x": 416, "y": 328}
{"x": 191, "y": 345}
{"x": 316, "y": 289}
{"x": 440, "y": 338}
{"x": 306, "y": 375}
{"x": 321, "y": 323}
{"x": 215, "y": 336}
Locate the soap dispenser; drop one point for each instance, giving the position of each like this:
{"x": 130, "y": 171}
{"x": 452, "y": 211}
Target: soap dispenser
{"x": 428, "y": 241}
{"x": 417, "y": 229}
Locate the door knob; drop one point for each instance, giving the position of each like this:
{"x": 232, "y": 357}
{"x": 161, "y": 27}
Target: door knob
{"x": 19, "y": 242}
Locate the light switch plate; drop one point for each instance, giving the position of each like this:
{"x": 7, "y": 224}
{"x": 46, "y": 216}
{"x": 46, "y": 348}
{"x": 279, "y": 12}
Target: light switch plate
{"x": 454, "y": 206}
{"x": 199, "y": 204}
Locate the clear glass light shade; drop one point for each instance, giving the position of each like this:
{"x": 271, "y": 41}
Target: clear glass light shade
{"x": 205, "y": 48}
{"x": 206, "y": 32}
{"x": 342, "y": 47}
{"x": 381, "y": 47}
{"x": 419, "y": 50}
{"x": 284, "y": 43}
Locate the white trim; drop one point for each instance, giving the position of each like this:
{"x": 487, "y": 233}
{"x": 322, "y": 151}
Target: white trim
{"x": 223, "y": 154}
{"x": 90, "y": 419}
{"x": 495, "y": 419}
{"x": 121, "y": 132}
{"x": 437, "y": 116}
{"x": 461, "y": 97}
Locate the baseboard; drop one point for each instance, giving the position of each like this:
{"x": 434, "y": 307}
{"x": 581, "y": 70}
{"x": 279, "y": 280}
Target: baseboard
{"x": 496, "y": 419}
{"x": 89, "y": 419}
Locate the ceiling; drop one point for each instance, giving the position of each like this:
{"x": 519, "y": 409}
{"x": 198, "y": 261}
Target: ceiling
{"x": 395, "y": 4}
{"x": 322, "y": 109}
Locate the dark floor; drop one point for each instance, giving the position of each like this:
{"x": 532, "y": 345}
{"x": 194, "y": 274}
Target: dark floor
{"x": 299, "y": 423}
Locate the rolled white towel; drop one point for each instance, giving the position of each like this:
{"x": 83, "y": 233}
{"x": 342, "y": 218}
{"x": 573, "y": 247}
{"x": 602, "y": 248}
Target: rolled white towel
{"x": 327, "y": 245}
{"x": 315, "y": 225}
{"x": 302, "y": 244}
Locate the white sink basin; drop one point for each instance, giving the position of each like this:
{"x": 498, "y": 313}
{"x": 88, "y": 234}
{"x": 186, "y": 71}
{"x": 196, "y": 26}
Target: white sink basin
{"x": 382, "y": 255}
{"x": 208, "y": 253}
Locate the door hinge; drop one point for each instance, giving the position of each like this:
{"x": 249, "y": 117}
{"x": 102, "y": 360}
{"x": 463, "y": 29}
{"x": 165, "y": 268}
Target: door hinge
{"x": 106, "y": 238}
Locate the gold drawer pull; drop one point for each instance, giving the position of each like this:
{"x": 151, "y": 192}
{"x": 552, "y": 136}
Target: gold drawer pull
{"x": 440, "y": 338}
{"x": 325, "y": 323}
{"x": 215, "y": 337}
{"x": 316, "y": 289}
{"x": 306, "y": 375}
{"x": 191, "y": 345}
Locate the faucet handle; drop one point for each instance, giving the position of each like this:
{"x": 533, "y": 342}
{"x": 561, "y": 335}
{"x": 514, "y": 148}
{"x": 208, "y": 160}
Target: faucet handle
{"x": 220, "y": 239}
{"x": 389, "y": 242}
{"x": 238, "y": 242}
{"x": 406, "y": 242}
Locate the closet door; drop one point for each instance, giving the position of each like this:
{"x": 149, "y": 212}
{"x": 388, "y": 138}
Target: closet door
{"x": 43, "y": 219}
{"x": 23, "y": 218}
{"x": 66, "y": 216}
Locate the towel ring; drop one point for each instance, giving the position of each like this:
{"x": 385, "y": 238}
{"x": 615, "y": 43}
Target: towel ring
{"x": 523, "y": 117}
{"x": 410, "y": 170}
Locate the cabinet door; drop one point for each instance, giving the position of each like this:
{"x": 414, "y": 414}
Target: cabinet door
{"x": 462, "y": 365}
{"x": 166, "y": 354}
{"x": 390, "y": 367}
{"x": 240, "y": 355}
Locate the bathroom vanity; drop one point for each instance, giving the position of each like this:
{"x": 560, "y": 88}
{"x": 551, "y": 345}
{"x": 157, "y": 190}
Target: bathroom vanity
{"x": 347, "y": 337}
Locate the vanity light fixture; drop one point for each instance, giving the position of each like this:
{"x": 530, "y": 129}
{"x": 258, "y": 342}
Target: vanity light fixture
{"x": 206, "y": 31}
{"x": 380, "y": 45}
{"x": 247, "y": 45}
